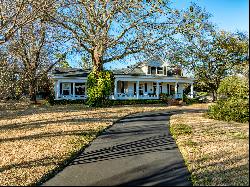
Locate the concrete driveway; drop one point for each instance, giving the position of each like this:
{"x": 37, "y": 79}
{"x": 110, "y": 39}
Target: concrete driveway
{"x": 136, "y": 151}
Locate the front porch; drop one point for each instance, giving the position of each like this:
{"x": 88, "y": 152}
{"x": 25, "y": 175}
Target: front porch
{"x": 123, "y": 89}
{"x": 147, "y": 89}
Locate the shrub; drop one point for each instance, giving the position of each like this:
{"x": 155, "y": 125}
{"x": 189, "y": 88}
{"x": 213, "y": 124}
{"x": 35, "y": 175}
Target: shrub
{"x": 234, "y": 87}
{"x": 232, "y": 109}
{"x": 100, "y": 85}
{"x": 234, "y": 106}
{"x": 190, "y": 101}
{"x": 164, "y": 97}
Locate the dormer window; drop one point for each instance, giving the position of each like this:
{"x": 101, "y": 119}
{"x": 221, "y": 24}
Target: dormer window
{"x": 153, "y": 70}
{"x": 159, "y": 70}
{"x": 156, "y": 70}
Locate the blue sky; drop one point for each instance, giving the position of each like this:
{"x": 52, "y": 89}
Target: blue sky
{"x": 230, "y": 15}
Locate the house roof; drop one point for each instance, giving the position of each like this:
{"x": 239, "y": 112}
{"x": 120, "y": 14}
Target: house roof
{"x": 71, "y": 72}
{"x": 135, "y": 69}
{"x": 130, "y": 70}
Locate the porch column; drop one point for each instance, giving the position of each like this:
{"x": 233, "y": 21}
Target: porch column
{"x": 137, "y": 89}
{"x": 58, "y": 89}
{"x": 192, "y": 90}
{"x": 175, "y": 90}
{"x": 74, "y": 91}
{"x": 157, "y": 90}
{"x": 115, "y": 90}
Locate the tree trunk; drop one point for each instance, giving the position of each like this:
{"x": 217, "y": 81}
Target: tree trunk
{"x": 32, "y": 90}
{"x": 214, "y": 96}
{"x": 97, "y": 56}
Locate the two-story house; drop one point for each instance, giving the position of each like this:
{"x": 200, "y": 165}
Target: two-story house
{"x": 146, "y": 80}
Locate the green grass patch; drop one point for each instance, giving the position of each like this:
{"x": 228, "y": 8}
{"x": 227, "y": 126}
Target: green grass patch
{"x": 191, "y": 143}
{"x": 180, "y": 129}
{"x": 239, "y": 135}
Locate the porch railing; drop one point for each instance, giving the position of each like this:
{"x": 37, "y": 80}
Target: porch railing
{"x": 131, "y": 96}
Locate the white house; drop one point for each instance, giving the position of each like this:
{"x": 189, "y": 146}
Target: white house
{"x": 145, "y": 80}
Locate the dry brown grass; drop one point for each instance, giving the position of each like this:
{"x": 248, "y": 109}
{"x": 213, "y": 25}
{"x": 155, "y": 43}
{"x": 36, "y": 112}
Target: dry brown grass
{"x": 216, "y": 152}
{"x": 35, "y": 140}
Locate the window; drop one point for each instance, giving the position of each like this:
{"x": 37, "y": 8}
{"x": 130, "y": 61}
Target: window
{"x": 66, "y": 88}
{"x": 122, "y": 87}
{"x": 153, "y": 70}
{"x": 160, "y": 84}
{"x": 159, "y": 70}
{"x": 140, "y": 89}
{"x": 79, "y": 88}
{"x": 154, "y": 88}
{"x": 165, "y": 70}
{"x": 172, "y": 91}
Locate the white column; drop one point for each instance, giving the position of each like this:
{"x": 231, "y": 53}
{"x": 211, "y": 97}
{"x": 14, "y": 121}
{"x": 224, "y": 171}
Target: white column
{"x": 175, "y": 90}
{"x": 74, "y": 94}
{"x": 137, "y": 89}
{"x": 192, "y": 90}
{"x": 115, "y": 89}
{"x": 157, "y": 90}
{"x": 57, "y": 89}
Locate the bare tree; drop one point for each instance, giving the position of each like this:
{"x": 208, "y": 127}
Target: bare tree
{"x": 110, "y": 30}
{"x": 33, "y": 45}
{"x": 14, "y": 14}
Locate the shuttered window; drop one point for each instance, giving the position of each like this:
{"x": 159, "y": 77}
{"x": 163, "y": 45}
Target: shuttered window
{"x": 165, "y": 70}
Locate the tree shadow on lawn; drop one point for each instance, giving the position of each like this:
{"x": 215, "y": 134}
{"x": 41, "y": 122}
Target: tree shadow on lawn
{"x": 45, "y": 161}
{"x": 53, "y": 134}
{"x": 40, "y": 123}
{"x": 31, "y": 109}
{"x": 222, "y": 172}
{"x": 8, "y": 114}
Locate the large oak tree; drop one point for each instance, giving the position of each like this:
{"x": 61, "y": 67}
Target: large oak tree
{"x": 110, "y": 30}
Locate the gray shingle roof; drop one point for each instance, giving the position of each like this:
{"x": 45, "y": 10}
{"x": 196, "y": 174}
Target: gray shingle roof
{"x": 71, "y": 72}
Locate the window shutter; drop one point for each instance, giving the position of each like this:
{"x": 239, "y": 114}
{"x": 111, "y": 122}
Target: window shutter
{"x": 146, "y": 87}
{"x": 122, "y": 87}
{"x": 165, "y": 70}
{"x": 71, "y": 88}
{"x": 60, "y": 88}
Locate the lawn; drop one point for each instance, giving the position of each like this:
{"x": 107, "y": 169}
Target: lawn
{"x": 36, "y": 141}
{"x": 216, "y": 152}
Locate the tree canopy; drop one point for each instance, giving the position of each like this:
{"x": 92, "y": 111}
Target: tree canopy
{"x": 112, "y": 30}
